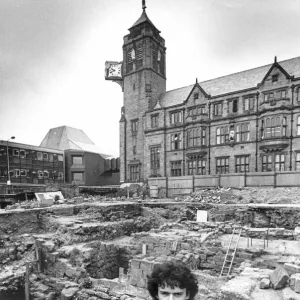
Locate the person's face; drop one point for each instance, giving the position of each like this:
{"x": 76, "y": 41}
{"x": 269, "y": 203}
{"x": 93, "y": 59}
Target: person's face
{"x": 167, "y": 293}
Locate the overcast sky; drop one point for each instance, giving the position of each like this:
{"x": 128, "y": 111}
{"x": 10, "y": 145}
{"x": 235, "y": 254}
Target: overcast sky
{"x": 52, "y": 55}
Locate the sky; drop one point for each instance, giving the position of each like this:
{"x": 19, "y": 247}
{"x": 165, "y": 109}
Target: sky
{"x": 53, "y": 52}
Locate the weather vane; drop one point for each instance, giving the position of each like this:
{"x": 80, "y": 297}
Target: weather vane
{"x": 144, "y": 5}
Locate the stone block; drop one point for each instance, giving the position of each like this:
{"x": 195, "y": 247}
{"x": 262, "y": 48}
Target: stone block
{"x": 297, "y": 233}
{"x": 146, "y": 266}
{"x": 279, "y": 278}
{"x": 291, "y": 268}
{"x": 69, "y": 293}
{"x": 135, "y": 263}
{"x": 265, "y": 283}
{"x": 295, "y": 282}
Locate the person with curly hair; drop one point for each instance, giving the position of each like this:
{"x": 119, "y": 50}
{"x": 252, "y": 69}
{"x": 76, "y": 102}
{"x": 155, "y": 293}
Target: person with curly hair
{"x": 172, "y": 280}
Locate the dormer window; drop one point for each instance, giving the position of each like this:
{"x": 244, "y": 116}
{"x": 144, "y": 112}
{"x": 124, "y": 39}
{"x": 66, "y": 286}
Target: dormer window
{"x": 274, "y": 78}
{"x": 196, "y": 96}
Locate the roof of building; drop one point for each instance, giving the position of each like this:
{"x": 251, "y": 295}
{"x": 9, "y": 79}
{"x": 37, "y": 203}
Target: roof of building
{"x": 68, "y": 138}
{"x": 230, "y": 83}
{"x": 143, "y": 18}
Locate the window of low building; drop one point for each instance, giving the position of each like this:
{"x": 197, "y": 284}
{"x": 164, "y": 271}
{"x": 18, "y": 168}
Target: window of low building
{"x": 23, "y": 173}
{"x": 222, "y": 165}
{"x": 46, "y": 174}
{"x": 45, "y": 156}
{"x": 242, "y": 164}
{"x": 39, "y": 156}
{"x": 77, "y": 159}
{"x": 16, "y": 152}
{"x": 60, "y": 157}
{"x": 22, "y": 153}
{"x": 176, "y": 168}
{"x": 77, "y": 176}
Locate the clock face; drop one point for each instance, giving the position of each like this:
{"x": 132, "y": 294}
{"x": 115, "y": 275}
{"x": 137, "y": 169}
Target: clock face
{"x": 115, "y": 70}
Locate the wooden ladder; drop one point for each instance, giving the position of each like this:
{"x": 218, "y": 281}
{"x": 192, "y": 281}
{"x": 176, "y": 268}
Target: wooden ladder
{"x": 231, "y": 251}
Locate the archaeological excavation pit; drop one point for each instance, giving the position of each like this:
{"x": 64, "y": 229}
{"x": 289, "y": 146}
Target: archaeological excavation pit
{"x": 102, "y": 250}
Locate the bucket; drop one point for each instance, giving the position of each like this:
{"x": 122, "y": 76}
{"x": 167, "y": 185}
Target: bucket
{"x": 153, "y": 191}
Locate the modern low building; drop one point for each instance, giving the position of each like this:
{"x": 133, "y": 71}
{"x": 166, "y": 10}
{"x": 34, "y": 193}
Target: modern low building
{"x": 29, "y": 165}
{"x": 84, "y": 162}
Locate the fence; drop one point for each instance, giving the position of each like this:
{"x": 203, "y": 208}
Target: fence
{"x": 172, "y": 186}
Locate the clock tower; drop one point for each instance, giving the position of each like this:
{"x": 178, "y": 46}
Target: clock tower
{"x": 143, "y": 78}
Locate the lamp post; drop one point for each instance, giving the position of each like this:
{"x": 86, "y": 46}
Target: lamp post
{"x": 8, "y": 175}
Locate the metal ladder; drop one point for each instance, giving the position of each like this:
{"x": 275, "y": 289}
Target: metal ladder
{"x": 231, "y": 251}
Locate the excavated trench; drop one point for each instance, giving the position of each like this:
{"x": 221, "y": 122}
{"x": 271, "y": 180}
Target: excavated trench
{"x": 97, "y": 250}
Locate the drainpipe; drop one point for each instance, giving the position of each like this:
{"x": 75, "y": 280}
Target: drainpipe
{"x": 183, "y": 142}
{"x": 256, "y": 146}
{"x": 292, "y": 121}
{"x": 209, "y": 124}
{"x": 165, "y": 153}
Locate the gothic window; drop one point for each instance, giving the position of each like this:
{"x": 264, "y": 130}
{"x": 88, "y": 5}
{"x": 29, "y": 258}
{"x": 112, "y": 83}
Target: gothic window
{"x": 242, "y": 164}
{"x": 217, "y": 109}
{"x": 134, "y": 126}
{"x": 279, "y": 162}
{"x": 129, "y": 59}
{"x": 298, "y": 125}
{"x": 273, "y": 127}
{"x": 176, "y": 168}
{"x": 222, "y": 165}
{"x": 262, "y": 129}
{"x": 140, "y": 55}
{"x": 243, "y": 132}
{"x": 154, "y": 159}
{"x": 267, "y": 163}
{"x": 235, "y": 105}
{"x": 176, "y": 117}
{"x": 176, "y": 141}
{"x": 154, "y": 56}
{"x": 154, "y": 121}
{"x": 284, "y": 126}
{"x": 196, "y": 166}
{"x": 134, "y": 145}
{"x": 134, "y": 173}
{"x": 274, "y": 78}
{"x": 249, "y": 103}
{"x": 298, "y": 161}
{"x": 222, "y": 135}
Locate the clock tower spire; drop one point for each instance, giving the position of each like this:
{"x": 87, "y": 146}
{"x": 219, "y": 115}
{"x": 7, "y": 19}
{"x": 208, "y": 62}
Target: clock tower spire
{"x": 144, "y": 80}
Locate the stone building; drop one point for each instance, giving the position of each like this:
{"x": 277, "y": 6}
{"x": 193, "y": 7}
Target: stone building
{"x": 240, "y": 123}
